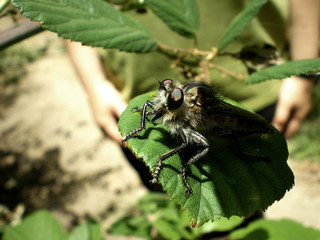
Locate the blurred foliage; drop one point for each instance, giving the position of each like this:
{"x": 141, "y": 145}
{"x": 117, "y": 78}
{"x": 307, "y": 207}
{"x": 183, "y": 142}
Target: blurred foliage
{"x": 156, "y": 217}
{"x": 283, "y": 229}
{"x": 42, "y": 225}
{"x": 13, "y": 60}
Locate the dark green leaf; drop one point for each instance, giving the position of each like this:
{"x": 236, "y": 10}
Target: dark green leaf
{"x": 240, "y": 22}
{"x": 92, "y": 22}
{"x": 285, "y": 70}
{"x": 181, "y": 15}
{"x": 38, "y": 226}
{"x": 223, "y": 183}
{"x": 275, "y": 230}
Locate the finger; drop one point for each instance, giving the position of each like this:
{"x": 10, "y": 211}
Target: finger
{"x": 281, "y": 117}
{"x": 119, "y": 109}
{"x": 296, "y": 120}
{"x": 110, "y": 127}
{"x": 293, "y": 127}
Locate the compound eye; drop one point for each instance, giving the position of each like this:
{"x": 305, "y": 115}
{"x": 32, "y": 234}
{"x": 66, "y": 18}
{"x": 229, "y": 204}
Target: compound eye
{"x": 166, "y": 84}
{"x": 175, "y": 99}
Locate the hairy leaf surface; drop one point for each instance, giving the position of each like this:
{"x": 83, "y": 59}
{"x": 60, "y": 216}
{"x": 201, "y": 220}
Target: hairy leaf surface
{"x": 285, "y": 70}
{"x": 93, "y": 22}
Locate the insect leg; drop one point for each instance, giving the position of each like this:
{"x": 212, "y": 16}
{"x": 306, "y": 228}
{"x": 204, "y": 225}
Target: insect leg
{"x": 201, "y": 140}
{"x": 157, "y": 170}
{"x": 142, "y": 123}
{"x": 198, "y": 138}
{"x": 138, "y": 109}
{"x": 177, "y": 149}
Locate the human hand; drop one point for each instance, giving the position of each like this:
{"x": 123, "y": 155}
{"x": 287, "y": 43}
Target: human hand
{"x": 107, "y": 106}
{"x": 293, "y": 105}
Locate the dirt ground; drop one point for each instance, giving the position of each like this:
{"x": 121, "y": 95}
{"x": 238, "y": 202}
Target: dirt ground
{"x": 54, "y": 156}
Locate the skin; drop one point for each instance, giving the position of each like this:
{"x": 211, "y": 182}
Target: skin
{"x": 106, "y": 101}
{"x": 294, "y": 100}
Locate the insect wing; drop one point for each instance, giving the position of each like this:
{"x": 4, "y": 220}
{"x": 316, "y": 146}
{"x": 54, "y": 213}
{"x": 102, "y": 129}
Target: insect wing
{"x": 225, "y": 117}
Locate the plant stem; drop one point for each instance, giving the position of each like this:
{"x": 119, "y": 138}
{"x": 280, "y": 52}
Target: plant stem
{"x": 19, "y": 33}
{"x": 226, "y": 71}
{"x": 192, "y": 52}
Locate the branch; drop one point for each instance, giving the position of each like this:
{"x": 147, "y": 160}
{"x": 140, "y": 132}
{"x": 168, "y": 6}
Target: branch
{"x": 178, "y": 52}
{"x": 226, "y": 71}
{"x": 19, "y": 33}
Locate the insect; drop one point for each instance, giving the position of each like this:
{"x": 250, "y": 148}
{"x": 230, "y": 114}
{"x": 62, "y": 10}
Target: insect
{"x": 191, "y": 111}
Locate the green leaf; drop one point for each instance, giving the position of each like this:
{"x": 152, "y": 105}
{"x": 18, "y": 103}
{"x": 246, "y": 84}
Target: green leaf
{"x": 285, "y": 70}
{"x": 223, "y": 183}
{"x": 172, "y": 230}
{"x": 275, "y": 230}
{"x": 37, "y": 226}
{"x": 240, "y": 22}
{"x": 132, "y": 226}
{"x": 180, "y": 15}
{"x": 220, "y": 225}
{"x": 89, "y": 230}
{"x": 95, "y": 23}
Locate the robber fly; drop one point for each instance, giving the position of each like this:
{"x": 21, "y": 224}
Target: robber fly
{"x": 191, "y": 111}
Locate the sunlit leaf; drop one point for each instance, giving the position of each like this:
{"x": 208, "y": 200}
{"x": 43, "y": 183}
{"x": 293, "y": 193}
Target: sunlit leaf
{"x": 87, "y": 230}
{"x": 38, "y": 226}
{"x": 275, "y": 230}
{"x": 132, "y": 226}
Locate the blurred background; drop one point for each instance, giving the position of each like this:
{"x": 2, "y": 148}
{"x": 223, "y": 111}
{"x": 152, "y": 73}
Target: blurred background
{"x": 54, "y": 156}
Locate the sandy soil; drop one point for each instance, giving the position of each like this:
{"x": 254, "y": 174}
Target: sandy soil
{"x": 53, "y": 155}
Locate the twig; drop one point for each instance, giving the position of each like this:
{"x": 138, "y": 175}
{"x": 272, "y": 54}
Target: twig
{"x": 19, "y": 33}
{"x": 204, "y": 67}
{"x": 185, "y": 52}
{"x": 226, "y": 71}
